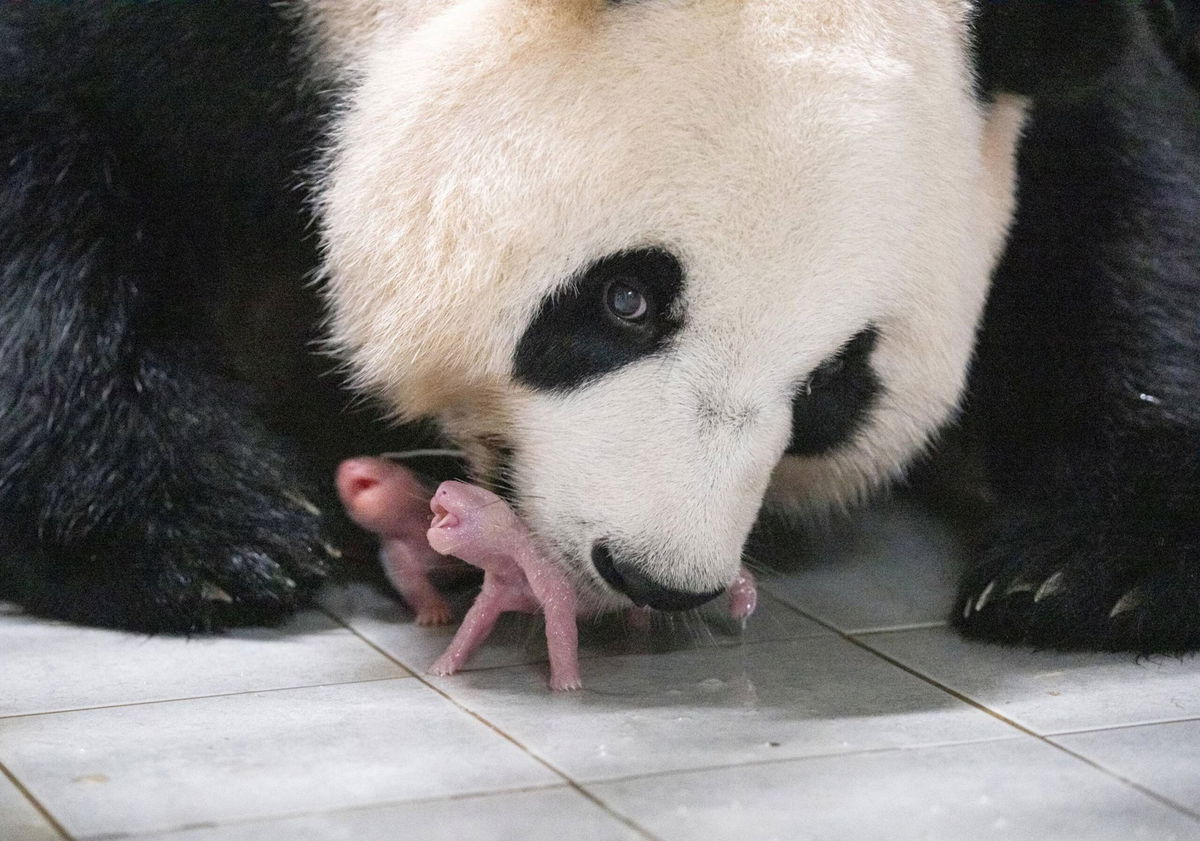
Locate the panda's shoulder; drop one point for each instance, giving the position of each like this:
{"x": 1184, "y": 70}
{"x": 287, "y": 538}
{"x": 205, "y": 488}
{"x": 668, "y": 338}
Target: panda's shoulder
{"x": 124, "y": 52}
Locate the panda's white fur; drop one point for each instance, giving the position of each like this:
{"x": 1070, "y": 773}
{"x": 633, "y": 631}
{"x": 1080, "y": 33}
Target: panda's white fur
{"x": 816, "y": 166}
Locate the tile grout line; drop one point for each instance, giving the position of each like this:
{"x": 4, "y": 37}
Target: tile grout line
{"x": 19, "y": 716}
{"x": 888, "y": 629}
{"x": 733, "y": 640}
{"x": 791, "y": 603}
{"x": 1131, "y": 726}
{"x": 343, "y": 810}
{"x": 848, "y": 636}
{"x": 571, "y": 783}
{"x": 1163, "y": 799}
{"x": 854, "y": 639}
{"x": 579, "y": 788}
{"x": 785, "y": 760}
{"x": 5, "y": 773}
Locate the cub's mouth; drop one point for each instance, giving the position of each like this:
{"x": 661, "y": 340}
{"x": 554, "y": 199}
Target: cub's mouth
{"x": 443, "y": 518}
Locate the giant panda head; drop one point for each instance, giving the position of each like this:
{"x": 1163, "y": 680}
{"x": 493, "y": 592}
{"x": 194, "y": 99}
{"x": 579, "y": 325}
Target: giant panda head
{"x": 630, "y": 254}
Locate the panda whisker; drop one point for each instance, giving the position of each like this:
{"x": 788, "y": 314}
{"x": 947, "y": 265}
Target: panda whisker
{"x": 754, "y": 564}
{"x": 696, "y": 626}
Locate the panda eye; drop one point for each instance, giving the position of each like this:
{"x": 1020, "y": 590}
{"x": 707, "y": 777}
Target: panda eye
{"x": 625, "y": 300}
{"x": 622, "y": 308}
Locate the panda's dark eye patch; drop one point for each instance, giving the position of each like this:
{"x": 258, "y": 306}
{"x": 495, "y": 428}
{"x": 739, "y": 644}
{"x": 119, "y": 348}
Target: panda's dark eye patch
{"x": 833, "y": 403}
{"x": 622, "y": 308}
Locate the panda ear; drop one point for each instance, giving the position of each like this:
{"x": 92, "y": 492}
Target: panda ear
{"x": 1042, "y": 48}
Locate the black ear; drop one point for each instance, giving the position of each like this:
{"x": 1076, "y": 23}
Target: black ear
{"x": 1044, "y": 48}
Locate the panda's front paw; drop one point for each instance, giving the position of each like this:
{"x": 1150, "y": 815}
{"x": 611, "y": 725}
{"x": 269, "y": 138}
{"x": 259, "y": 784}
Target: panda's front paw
{"x": 234, "y": 540}
{"x": 255, "y": 562}
{"x": 253, "y": 559}
{"x": 1079, "y": 583}
{"x": 193, "y": 567}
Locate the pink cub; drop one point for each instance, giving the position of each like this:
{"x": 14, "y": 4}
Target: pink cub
{"x": 476, "y": 525}
{"x": 388, "y": 500}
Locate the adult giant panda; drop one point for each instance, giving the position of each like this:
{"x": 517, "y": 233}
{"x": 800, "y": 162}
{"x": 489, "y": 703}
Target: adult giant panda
{"x": 648, "y": 263}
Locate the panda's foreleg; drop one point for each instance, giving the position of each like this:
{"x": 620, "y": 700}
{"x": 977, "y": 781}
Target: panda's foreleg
{"x": 1095, "y": 538}
{"x": 135, "y": 489}
{"x": 1086, "y": 388}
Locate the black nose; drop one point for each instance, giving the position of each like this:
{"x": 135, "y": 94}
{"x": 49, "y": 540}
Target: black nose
{"x": 625, "y": 577}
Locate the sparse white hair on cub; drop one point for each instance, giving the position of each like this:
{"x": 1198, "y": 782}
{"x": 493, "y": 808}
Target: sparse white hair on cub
{"x": 816, "y": 167}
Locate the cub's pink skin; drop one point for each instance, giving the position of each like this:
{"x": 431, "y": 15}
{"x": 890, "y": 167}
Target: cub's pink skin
{"x": 387, "y": 499}
{"x": 479, "y": 527}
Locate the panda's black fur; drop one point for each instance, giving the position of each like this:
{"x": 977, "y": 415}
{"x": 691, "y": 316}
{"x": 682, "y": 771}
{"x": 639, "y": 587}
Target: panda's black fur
{"x": 154, "y": 246}
{"x": 1085, "y": 393}
{"x": 162, "y": 429}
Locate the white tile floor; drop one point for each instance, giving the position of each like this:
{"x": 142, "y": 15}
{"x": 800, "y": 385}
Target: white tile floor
{"x": 844, "y": 711}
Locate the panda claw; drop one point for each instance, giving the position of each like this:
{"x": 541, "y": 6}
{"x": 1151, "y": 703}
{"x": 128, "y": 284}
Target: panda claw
{"x": 985, "y": 596}
{"x": 1049, "y": 587}
{"x": 1132, "y": 600}
{"x": 1019, "y": 586}
{"x": 211, "y": 592}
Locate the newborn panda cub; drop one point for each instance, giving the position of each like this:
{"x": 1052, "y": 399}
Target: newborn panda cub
{"x": 475, "y": 525}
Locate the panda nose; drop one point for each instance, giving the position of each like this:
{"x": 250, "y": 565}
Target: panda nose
{"x": 626, "y": 577}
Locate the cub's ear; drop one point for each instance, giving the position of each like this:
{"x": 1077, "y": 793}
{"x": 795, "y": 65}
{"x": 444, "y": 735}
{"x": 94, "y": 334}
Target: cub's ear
{"x": 1044, "y": 48}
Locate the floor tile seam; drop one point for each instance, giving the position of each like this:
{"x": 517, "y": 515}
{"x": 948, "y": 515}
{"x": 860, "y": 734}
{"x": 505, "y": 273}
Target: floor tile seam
{"x": 785, "y": 760}
{"x": 38, "y": 806}
{"x": 228, "y": 636}
{"x": 591, "y": 658}
{"x": 714, "y": 645}
{"x": 937, "y": 684}
{"x": 831, "y": 625}
{"x": 345, "y": 810}
{"x": 1145, "y": 790}
{"x": 822, "y": 633}
{"x": 19, "y": 716}
{"x": 615, "y": 813}
{"x": 534, "y": 755}
{"x": 895, "y": 629}
{"x": 833, "y": 633}
{"x": 1130, "y": 725}
{"x": 1029, "y": 731}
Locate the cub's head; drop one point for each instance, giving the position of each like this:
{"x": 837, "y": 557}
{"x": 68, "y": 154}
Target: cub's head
{"x": 631, "y": 254}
